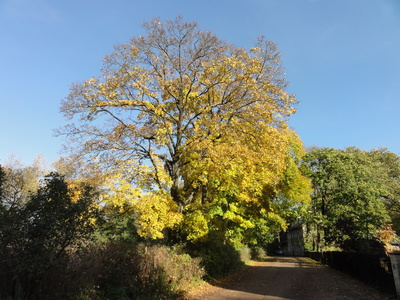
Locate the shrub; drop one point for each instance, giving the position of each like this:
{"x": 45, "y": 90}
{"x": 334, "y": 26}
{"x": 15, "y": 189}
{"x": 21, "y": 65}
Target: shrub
{"x": 38, "y": 236}
{"x": 177, "y": 268}
{"x": 257, "y": 253}
{"x": 245, "y": 253}
{"x": 217, "y": 258}
{"x": 124, "y": 270}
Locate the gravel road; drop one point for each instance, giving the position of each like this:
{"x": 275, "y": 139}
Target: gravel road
{"x": 291, "y": 278}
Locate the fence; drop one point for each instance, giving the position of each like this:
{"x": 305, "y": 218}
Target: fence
{"x": 365, "y": 267}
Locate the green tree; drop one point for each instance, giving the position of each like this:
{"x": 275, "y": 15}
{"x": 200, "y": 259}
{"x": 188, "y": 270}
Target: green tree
{"x": 193, "y": 127}
{"x": 35, "y": 237}
{"x": 60, "y": 216}
{"x": 389, "y": 168}
{"x": 347, "y": 195}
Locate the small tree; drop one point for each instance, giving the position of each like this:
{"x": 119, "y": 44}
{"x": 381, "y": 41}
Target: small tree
{"x": 36, "y": 238}
{"x": 20, "y": 180}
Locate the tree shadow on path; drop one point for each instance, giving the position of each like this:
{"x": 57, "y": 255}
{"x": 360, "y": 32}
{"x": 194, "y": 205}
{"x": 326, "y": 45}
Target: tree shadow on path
{"x": 292, "y": 278}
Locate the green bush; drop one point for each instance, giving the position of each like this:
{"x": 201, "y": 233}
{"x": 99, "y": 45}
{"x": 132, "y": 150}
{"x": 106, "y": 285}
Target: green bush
{"x": 257, "y": 253}
{"x": 217, "y": 258}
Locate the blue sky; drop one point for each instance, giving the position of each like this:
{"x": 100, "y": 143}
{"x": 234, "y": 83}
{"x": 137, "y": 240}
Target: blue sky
{"x": 342, "y": 59}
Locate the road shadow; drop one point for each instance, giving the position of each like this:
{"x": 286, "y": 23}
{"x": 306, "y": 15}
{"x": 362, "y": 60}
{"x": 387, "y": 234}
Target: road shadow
{"x": 299, "y": 278}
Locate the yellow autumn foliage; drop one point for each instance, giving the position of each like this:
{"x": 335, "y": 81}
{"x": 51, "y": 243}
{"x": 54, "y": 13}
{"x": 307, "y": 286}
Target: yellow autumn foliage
{"x": 156, "y": 212}
{"x": 188, "y": 127}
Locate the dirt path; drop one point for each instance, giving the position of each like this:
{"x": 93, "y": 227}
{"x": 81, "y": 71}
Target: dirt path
{"x": 291, "y": 278}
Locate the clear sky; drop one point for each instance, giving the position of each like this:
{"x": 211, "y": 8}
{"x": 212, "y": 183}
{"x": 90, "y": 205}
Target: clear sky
{"x": 342, "y": 59}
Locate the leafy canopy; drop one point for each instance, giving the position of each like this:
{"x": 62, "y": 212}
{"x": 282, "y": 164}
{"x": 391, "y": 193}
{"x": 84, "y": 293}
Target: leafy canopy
{"x": 348, "y": 189}
{"x": 186, "y": 125}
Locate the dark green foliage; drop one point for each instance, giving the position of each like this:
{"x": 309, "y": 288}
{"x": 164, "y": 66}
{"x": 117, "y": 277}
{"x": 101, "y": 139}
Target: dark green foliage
{"x": 218, "y": 257}
{"x": 389, "y": 163}
{"x": 348, "y": 188}
{"x": 35, "y": 238}
{"x": 48, "y": 253}
{"x": 257, "y": 253}
{"x": 56, "y": 220}
{"x": 118, "y": 226}
{"x": 266, "y": 230}
{"x": 111, "y": 272}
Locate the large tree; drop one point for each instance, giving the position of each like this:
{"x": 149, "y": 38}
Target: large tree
{"x": 348, "y": 189}
{"x": 193, "y": 125}
{"x": 389, "y": 170}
